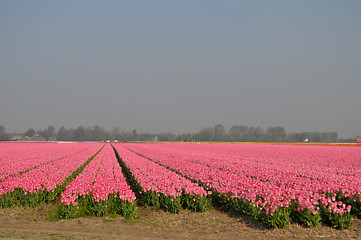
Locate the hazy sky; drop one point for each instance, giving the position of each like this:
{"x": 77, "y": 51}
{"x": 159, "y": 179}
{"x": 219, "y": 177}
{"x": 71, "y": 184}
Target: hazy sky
{"x": 178, "y": 66}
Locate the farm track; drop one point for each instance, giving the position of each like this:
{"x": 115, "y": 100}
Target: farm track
{"x": 20, "y": 223}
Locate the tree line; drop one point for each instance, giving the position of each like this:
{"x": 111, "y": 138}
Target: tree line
{"x": 236, "y": 133}
{"x": 81, "y": 133}
{"x": 243, "y": 133}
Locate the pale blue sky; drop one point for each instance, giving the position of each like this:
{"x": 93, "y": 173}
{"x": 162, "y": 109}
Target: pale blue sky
{"x": 178, "y": 66}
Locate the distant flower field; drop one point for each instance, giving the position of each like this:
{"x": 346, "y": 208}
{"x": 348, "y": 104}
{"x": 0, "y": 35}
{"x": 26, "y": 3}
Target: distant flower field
{"x": 275, "y": 184}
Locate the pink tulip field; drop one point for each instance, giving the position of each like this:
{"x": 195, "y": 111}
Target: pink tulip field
{"x": 45, "y": 178}
{"x": 161, "y": 187}
{"x": 15, "y": 159}
{"x": 273, "y": 183}
{"x": 99, "y": 189}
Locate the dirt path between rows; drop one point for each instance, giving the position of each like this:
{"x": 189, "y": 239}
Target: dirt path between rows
{"x": 20, "y": 223}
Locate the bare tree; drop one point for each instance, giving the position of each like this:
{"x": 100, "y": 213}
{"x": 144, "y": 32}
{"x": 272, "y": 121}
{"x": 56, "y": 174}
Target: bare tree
{"x": 30, "y": 132}
{"x": 51, "y": 131}
{"x": 277, "y": 133}
{"x": 243, "y": 129}
{"x": 234, "y": 133}
{"x": 80, "y": 134}
{"x": 205, "y": 134}
{"x": 219, "y": 132}
{"x": 62, "y": 134}
{"x": 3, "y": 135}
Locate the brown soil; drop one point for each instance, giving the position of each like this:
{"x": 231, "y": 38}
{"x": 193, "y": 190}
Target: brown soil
{"x": 20, "y": 223}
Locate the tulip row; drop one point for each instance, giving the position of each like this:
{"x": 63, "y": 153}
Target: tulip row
{"x": 272, "y": 183}
{"x": 161, "y": 187}
{"x": 99, "y": 189}
{"x": 45, "y": 182}
{"x": 16, "y": 158}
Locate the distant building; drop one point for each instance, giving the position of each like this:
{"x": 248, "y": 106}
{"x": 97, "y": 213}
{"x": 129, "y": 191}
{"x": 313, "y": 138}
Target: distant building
{"x": 16, "y": 138}
{"x": 37, "y": 138}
